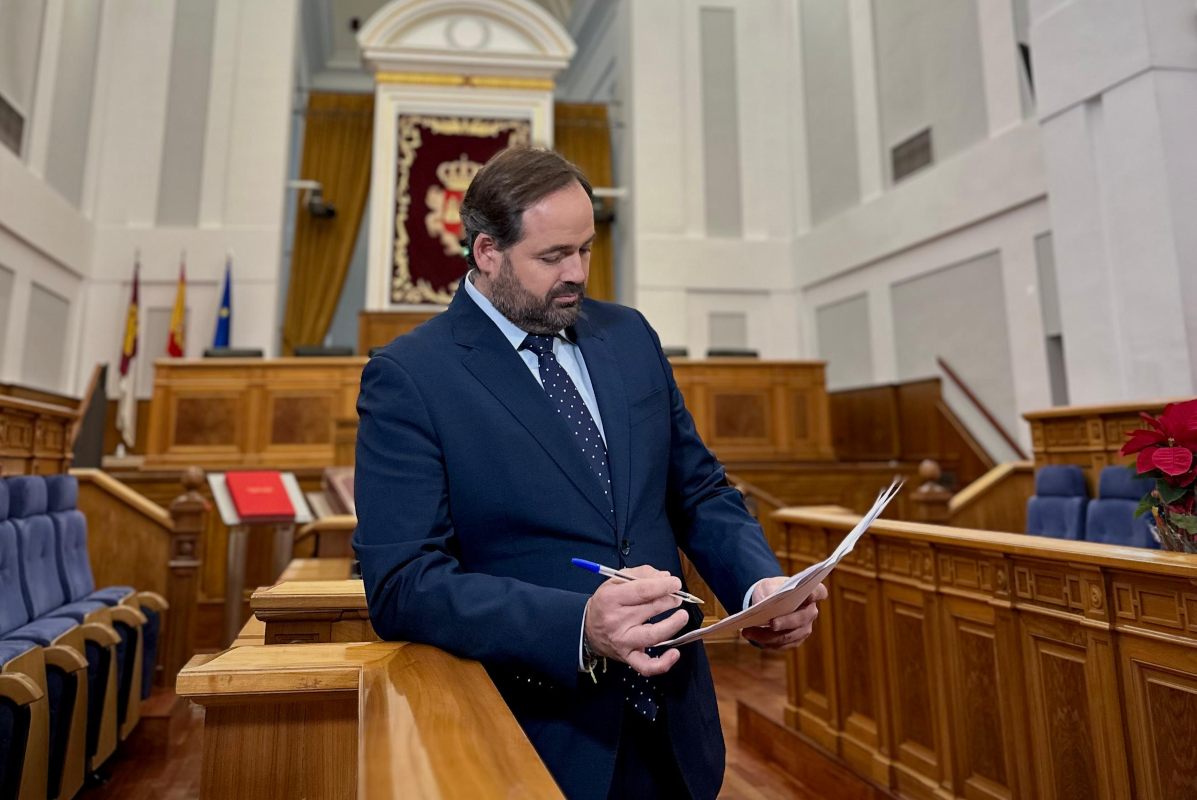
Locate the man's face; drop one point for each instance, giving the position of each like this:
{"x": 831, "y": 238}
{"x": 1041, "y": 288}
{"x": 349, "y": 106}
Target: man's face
{"x": 539, "y": 282}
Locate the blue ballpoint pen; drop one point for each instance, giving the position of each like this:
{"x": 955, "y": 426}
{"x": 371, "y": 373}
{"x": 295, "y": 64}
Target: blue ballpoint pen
{"x": 614, "y": 573}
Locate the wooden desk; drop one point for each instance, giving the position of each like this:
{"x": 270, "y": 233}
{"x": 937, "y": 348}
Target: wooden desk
{"x": 1088, "y": 436}
{"x": 244, "y": 412}
{"x": 956, "y": 663}
{"x": 379, "y": 721}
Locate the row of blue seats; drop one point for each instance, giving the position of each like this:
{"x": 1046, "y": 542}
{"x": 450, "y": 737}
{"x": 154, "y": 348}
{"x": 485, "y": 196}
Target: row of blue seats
{"x": 89, "y": 652}
{"x": 1061, "y": 507}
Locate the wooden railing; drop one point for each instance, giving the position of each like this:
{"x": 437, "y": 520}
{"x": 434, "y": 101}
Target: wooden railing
{"x": 376, "y": 721}
{"x": 960, "y": 663}
{"x": 133, "y": 541}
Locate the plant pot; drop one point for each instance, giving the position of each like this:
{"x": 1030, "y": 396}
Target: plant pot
{"x": 1172, "y": 537}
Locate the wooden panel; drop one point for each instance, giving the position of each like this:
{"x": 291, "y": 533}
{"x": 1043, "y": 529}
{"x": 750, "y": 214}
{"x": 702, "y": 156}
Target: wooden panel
{"x": 209, "y": 420}
{"x": 864, "y": 424}
{"x": 301, "y": 419}
{"x": 378, "y": 328}
{"x": 748, "y": 410}
{"x": 281, "y": 750}
{"x": 238, "y": 413}
{"x": 1160, "y": 692}
{"x": 905, "y": 422}
{"x": 997, "y": 501}
{"x": 739, "y": 415}
{"x": 912, "y": 668}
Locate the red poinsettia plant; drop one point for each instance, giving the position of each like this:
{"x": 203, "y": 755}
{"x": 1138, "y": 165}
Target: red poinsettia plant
{"x": 1166, "y": 453}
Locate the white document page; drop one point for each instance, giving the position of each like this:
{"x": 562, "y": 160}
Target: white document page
{"x": 795, "y": 591}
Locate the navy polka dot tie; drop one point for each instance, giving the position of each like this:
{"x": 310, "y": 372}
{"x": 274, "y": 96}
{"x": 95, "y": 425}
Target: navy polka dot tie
{"x": 561, "y": 390}
{"x": 641, "y": 692}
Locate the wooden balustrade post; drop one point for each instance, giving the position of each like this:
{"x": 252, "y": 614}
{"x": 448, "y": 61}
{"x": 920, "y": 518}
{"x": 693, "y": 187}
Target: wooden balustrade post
{"x": 188, "y": 514}
{"x": 930, "y": 500}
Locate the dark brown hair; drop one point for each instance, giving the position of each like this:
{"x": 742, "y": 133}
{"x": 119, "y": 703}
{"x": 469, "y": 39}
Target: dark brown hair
{"x": 506, "y": 187}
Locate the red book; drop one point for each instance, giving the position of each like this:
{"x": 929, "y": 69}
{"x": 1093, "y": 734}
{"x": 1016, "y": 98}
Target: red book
{"x": 260, "y": 496}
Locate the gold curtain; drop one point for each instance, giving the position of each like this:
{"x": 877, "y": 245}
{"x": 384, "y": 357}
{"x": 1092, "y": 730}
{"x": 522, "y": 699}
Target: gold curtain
{"x": 337, "y": 137}
{"x": 581, "y": 134}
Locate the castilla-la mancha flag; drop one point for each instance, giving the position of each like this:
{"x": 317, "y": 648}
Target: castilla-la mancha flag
{"x": 176, "y": 344}
{"x": 126, "y": 410}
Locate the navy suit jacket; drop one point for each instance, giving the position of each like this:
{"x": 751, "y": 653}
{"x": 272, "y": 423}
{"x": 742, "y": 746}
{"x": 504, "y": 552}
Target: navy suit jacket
{"x": 472, "y": 497}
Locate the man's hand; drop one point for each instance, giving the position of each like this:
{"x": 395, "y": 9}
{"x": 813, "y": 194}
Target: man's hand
{"x": 617, "y": 614}
{"x": 786, "y": 631}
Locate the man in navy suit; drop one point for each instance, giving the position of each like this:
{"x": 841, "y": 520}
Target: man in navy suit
{"x": 528, "y": 425}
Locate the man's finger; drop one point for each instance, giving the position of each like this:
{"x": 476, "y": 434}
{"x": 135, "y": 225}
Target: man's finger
{"x": 776, "y": 640}
{"x": 656, "y": 632}
{"x": 650, "y": 666}
{"x": 805, "y": 615}
{"x": 634, "y": 593}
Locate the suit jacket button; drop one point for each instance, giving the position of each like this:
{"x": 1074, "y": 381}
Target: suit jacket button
{"x": 625, "y": 547}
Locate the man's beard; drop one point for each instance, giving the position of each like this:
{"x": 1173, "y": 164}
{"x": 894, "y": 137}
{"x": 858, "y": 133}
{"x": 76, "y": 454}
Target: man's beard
{"x": 529, "y": 312}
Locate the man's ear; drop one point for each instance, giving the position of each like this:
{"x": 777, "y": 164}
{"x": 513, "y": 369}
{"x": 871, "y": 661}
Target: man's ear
{"x": 487, "y": 255}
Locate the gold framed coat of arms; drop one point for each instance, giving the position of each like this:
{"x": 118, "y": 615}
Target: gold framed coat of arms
{"x": 438, "y": 157}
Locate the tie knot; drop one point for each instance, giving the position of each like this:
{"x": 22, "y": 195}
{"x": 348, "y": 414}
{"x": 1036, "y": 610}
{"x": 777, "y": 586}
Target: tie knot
{"x": 539, "y": 344}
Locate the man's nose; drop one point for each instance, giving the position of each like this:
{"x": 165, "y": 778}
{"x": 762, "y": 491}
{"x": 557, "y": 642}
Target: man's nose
{"x": 574, "y": 269}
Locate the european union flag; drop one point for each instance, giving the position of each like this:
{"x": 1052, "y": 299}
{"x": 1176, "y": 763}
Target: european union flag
{"x": 224, "y": 317}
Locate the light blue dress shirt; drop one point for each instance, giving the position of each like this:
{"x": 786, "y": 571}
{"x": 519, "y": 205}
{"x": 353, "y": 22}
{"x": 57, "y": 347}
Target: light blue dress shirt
{"x": 568, "y": 354}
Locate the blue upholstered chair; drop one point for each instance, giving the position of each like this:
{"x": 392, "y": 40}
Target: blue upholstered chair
{"x": 1111, "y": 517}
{"x": 57, "y": 729}
{"x": 1057, "y": 508}
{"x": 51, "y": 617}
{"x": 79, "y": 591}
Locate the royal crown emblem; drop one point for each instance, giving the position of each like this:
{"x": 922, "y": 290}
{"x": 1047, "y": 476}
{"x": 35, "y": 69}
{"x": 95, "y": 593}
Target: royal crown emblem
{"x": 444, "y": 202}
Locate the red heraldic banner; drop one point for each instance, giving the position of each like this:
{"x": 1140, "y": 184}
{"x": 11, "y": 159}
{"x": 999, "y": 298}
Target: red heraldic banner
{"x": 260, "y": 496}
{"x": 438, "y": 157}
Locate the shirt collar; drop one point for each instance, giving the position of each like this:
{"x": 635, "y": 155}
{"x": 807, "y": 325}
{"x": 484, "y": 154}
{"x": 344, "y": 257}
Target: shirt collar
{"x": 514, "y": 333}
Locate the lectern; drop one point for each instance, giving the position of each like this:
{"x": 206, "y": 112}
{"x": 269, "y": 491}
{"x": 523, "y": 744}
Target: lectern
{"x": 239, "y": 530}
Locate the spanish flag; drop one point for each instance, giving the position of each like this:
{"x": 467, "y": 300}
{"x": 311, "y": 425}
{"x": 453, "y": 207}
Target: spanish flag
{"x": 175, "y": 345}
{"x": 126, "y": 412}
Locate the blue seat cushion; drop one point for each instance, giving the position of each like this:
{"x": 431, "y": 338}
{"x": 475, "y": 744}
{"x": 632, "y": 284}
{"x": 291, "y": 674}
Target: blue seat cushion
{"x": 77, "y": 611}
{"x": 14, "y": 739}
{"x": 43, "y": 631}
{"x": 41, "y": 583}
{"x": 11, "y": 648}
{"x": 1113, "y": 521}
{"x": 13, "y": 611}
{"x": 3, "y": 500}
{"x": 1060, "y": 480}
{"x": 26, "y": 496}
{"x": 1121, "y": 483}
{"x": 73, "y": 560}
{"x": 149, "y": 649}
{"x": 1058, "y": 517}
{"x": 62, "y": 493}
{"x": 111, "y": 595}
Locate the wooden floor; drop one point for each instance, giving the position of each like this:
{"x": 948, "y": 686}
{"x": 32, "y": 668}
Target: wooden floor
{"x": 145, "y": 770}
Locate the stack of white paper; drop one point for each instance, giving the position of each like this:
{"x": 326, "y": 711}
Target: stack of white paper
{"x": 798, "y": 588}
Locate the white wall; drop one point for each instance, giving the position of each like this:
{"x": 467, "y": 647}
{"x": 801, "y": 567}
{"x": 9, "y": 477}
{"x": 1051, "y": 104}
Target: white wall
{"x": 1118, "y": 108}
{"x": 682, "y": 270}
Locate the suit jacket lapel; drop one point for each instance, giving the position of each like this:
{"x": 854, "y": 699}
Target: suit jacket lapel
{"x": 613, "y": 408}
{"x": 498, "y": 367}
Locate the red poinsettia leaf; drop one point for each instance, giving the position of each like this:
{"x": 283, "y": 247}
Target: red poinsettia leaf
{"x": 1172, "y": 460}
{"x": 1179, "y": 419}
{"x": 1152, "y": 421}
{"x": 1145, "y": 463}
{"x": 1141, "y": 438}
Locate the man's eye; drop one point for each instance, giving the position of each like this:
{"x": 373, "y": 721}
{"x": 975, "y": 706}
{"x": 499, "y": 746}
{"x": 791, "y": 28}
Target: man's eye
{"x": 585, "y": 251}
{"x": 553, "y": 259}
